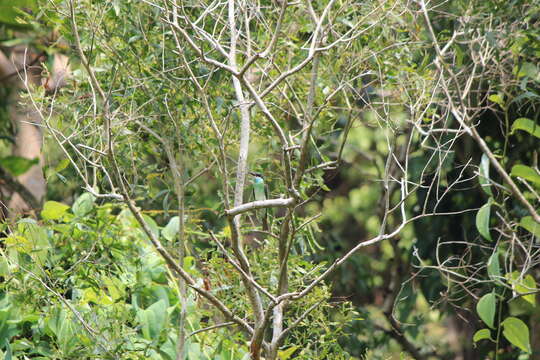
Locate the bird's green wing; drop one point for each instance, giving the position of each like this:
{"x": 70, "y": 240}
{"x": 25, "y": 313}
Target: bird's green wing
{"x": 259, "y": 191}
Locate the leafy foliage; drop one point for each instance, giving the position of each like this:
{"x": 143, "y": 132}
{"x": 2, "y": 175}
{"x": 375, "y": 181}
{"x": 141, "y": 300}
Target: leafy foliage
{"x": 123, "y": 303}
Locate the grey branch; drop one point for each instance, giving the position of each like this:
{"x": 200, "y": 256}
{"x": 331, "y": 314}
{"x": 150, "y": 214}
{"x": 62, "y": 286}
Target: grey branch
{"x": 259, "y": 205}
{"x": 217, "y": 326}
{"x": 14, "y": 185}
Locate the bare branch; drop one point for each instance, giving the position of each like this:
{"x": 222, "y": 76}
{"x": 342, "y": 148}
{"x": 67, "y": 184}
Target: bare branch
{"x": 15, "y": 186}
{"x": 217, "y": 326}
{"x": 260, "y": 204}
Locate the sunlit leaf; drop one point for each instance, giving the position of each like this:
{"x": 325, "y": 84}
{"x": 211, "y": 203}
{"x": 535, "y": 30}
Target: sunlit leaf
{"x": 62, "y": 165}
{"x": 115, "y": 288}
{"x": 286, "y": 354}
{"x": 523, "y": 285}
{"x": 20, "y": 243}
{"x": 497, "y": 99}
{"x": 53, "y": 210}
{"x": 90, "y": 295}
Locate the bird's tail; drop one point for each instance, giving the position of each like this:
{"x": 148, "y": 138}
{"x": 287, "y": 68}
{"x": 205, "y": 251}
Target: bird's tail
{"x": 265, "y": 226}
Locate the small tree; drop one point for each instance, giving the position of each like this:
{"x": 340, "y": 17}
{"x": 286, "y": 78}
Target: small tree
{"x": 214, "y": 91}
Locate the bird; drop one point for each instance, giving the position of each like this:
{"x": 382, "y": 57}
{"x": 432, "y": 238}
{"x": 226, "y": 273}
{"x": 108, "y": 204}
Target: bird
{"x": 260, "y": 193}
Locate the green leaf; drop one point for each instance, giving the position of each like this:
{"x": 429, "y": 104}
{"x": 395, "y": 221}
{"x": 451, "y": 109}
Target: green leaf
{"x": 493, "y": 267}
{"x": 172, "y": 228}
{"x": 482, "y": 334}
{"x": 526, "y": 172}
{"x": 287, "y": 353}
{"x": 84, "y": 204}
{"x": 115, "y": 287}
{"x": 37, "y": 240}
{"x": 486, "y": 308}
{"x": 144, "y": 318}
{"x": 8, "y": 355}
{"x": 518, "y": 306}
{"x": 153, "y": 319}
{"x": 168, "y": 349}
{"x": 523, "y": 285}
{"x": 517, "y": 333}
{"x": 4, "y": 266}
{"x": 496, "y": 98}
{"x": 90, "y": 295}
{"x": 530, "y": 225}
{"x": 53, "y": 210}
{"x": 62, "y": 165}
{"x": 116, "y": 7}
{"x": 17, "y": 165}
{"x": 16, "y": 41}
{"x": 527, "y": 286}
{"x": 482, "y": 220}
{"x": 484, "y": 175}
{"x": 526, "y": 125}
{"x": 528, "y": 69}
{"x": 10, "y": 10}
{"x": 151, "y": 224}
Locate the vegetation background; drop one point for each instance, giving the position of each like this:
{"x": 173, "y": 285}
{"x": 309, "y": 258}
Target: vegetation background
{"x": 398, "y": 141}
